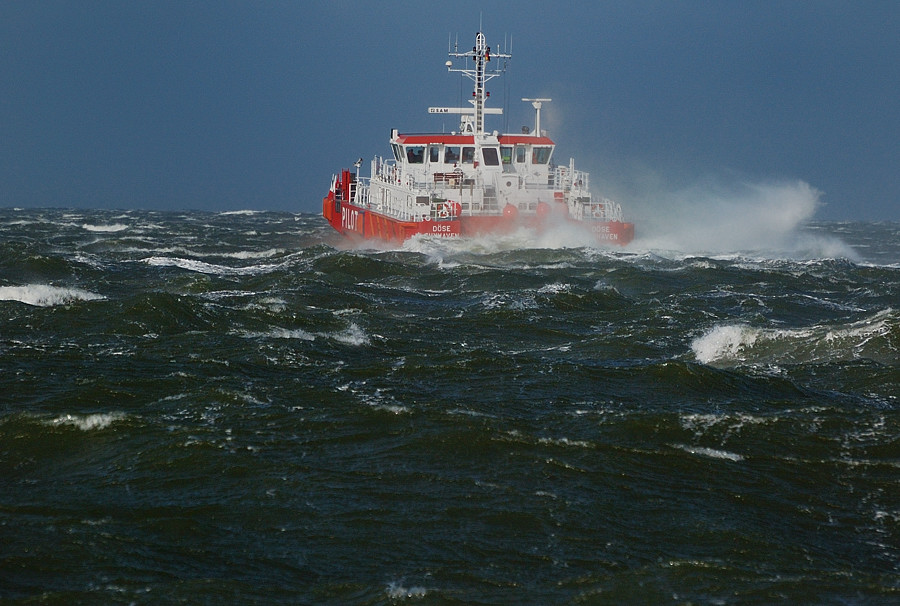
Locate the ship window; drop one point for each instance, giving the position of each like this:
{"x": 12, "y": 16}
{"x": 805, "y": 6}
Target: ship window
{"x": 397, "y": 154}
{"x": 468, "y": 155}
{"x": 434, "y": 153}
{"x": 451, "y": 155}
{"x": 415, "y": 154}
{"x": 506, "y": 154}
{"x": 520, "y": 154}
{"x": 490, "y": 156}
{"x": 540, "y": 155}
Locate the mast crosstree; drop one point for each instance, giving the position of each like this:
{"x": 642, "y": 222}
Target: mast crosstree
{"x": 480, "y": 75}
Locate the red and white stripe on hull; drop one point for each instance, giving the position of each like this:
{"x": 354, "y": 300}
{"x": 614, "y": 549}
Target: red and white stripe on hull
{"x": 366, "y": 224}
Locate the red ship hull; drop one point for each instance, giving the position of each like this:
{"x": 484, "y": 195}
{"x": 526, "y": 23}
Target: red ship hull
{"x": 365, "y": 224}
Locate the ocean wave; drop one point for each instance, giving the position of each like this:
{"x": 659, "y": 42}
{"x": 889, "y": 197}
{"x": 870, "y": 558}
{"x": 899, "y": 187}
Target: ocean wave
{"x": 248, "y": 254}
{"x": 565, "y": 442}
{"x": 701, "y": 423}
{"x": 88, "y": 422}
{"x": 281, "y": 333}
{"x": 874, "y": 337}
{"x": 112, "y": 228}
{"x": 43, "y": 295}
{"x": 396, "y": 591}
{"x": 209, "y": 268}
{"x": 352, "y": 335}
{"x": 712, "y": 453}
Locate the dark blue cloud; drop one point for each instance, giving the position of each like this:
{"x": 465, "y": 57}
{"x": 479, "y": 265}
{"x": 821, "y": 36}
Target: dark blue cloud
{"x": 224, "y": 105}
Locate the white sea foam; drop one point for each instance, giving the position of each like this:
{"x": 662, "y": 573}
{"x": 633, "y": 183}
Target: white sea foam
{"x": 724, "y": 343}
{"x": 554, "y": 288}
{"x": 115, "y": 227}
{"x": 284, "y": 333}
{"x": 396, "y": 591}
{"x": 739, "y": 343}
{"x": 181, "y": 250}
{"x": 396, "y": 409}
{"x": 353, "y": 335}
{"x": 249, "y": 254}
{"x": 90, "y": 421}
{"x": 273, "y": 304}
{"x": 712, "y": 453}
{"x": 509, "y": 301}
{"x": 208, "y": 268}
{"x": 701, "y": 423}
{"x": 565, "y": 442}
{"x": 43, "y": 295}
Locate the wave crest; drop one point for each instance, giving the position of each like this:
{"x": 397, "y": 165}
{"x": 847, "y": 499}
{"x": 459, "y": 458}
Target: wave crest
{"x": 876, "y": 337}
{"x": 43, "y": 295}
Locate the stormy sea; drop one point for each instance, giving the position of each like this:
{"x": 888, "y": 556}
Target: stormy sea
{"x": 244, "y": 408}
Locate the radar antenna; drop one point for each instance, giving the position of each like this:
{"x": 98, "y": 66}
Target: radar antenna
{"x": 482, "y": 54}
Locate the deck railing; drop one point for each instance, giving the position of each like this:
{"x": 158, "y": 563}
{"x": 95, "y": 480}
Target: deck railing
{"x": 474, "y": 195}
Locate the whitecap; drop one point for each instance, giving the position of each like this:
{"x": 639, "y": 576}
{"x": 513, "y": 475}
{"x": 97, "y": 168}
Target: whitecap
{"x": 395, "y": 409}
{"x": 353, "y": 335}
{"x": 511, "y": 301}
{"x": 105, "y": 228}
{"x": 396, "y": 591}
{"x": 285, "y": 333}
{"x": 739, "y": 343}
{"x": 565, "y": 442}
{"x": 207, "y": 268}
{"x": 554, "y": 288}
{"x": 90, "y": 421}
{"x": 43, "y": 295}
{"x": 273, "y": 304}
{"x": 249, "y": 254}
{"x": 710, "y": 452}
{"x": 724, "y": 342}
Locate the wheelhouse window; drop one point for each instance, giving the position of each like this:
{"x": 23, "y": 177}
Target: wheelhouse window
{"x": 506, "y": 154}
{"x": 415, "y": 154}
{"x": 434, "y": 154}
{"x": 520, "y": 154}
{"x": 451, "y": 154}
{"x": 468, "y": 155}
{"x": 398, "y": 156}
{"x": 490, "y": 156}
{"x": 541, "y": 155}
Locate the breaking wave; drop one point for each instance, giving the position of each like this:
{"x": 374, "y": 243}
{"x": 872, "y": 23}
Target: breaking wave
{"x": 88, "y": 422}
{"x": 876, "y": 337}
{"x": 42, "y": 295}
{"x": 115, "y": 227}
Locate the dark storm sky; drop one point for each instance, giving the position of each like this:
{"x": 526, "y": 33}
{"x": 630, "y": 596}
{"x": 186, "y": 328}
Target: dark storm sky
{"x": 232, "y": 105}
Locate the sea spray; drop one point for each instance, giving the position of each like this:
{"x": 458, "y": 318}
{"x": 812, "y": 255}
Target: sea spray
{"x": 711, "y": 218}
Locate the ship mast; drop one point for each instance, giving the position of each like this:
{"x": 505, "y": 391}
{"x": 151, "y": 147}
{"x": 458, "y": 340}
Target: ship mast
{"x": 481, "y": 53}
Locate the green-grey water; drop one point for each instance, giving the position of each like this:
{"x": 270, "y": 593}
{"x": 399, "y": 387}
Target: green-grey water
{"x": 238, "y": 408}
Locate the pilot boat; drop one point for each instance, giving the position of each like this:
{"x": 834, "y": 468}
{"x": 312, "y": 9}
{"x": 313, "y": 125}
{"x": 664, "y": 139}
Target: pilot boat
{"x": 470, "y": 182}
